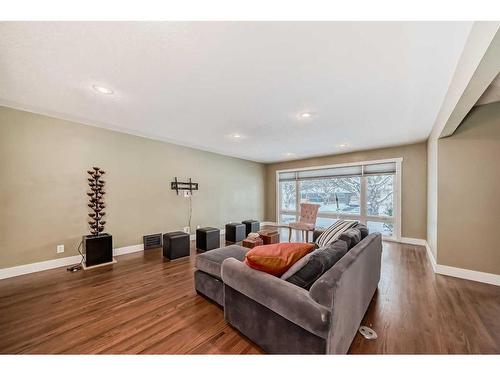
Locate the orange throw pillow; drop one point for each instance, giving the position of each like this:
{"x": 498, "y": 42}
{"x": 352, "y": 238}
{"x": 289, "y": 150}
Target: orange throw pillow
{"x": 277, "y": 258}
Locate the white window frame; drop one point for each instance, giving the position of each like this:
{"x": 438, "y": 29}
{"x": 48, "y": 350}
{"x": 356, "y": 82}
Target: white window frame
{"x": 395, "y": 219}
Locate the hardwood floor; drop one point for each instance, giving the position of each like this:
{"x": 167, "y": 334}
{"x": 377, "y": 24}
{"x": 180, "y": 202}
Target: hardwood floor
{"x": 144, "y": 304}
{"x": 415, "y": 311}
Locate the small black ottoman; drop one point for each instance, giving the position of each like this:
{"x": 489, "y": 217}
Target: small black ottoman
{"x": 175, "y": 245}
{"x": 251, "y": 226}
{"x": 207, "y": 238}
{"x": 235, "y": 232}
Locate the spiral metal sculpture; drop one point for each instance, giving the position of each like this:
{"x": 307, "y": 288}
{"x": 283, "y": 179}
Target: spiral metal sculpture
{"x": 96, "y": 203}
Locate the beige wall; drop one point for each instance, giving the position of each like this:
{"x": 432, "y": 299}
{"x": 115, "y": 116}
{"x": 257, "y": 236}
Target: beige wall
{"x": 477, "y": 62}
{"x": 43, "y": 183}
{"x": 469, "y": 193}
{"x": 414, "y": 185}
{"x": 432, "y": 195}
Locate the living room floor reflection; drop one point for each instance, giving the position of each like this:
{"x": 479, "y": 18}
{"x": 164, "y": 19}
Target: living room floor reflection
{"x": 144, "y": 304}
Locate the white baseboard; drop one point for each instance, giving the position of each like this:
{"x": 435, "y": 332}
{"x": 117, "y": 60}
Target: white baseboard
{"x": 25, "y": 269}
{"x": 6, "y": 273}
{"x": 413, "y": 241}
{"x": 482, "y": 277}
{"x": 461, "y": 273}
{"x": 430, "y": 256}
{"x": 128, "y": 249}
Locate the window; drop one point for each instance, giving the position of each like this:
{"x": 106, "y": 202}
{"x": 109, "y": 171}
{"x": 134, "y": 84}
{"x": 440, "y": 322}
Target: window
{"x": 324, "y": 222}
{"x": 380, "y": 194}
{"x": 285, "y": 219}
{"x": 366, "y": 192}
{"x": 333, "y": 194}
{"x": 387, "y": 229}
{"x": 288, "y": 196}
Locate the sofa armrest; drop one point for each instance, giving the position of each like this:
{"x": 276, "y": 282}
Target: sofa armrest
{"x": 288, "y": 300}
{"x": 347, "y": 288}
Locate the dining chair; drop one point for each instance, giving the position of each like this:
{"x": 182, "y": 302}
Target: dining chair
{"x": 307, "y": 220}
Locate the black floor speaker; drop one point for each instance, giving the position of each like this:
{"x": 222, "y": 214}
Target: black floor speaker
{"x": 98, "y": 249}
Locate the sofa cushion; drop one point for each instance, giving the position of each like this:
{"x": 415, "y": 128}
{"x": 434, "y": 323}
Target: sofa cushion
{"x": 211, "y": 261}
{"x": 363, "y": 229}
{"x": 367, "y": 255}
{"x": 318, "y": 263}
{"x": 297, "y": 266}
{"x": 351, "y": 236}
{"x": 288, "y": 300}
{"x": 276, "y": 259}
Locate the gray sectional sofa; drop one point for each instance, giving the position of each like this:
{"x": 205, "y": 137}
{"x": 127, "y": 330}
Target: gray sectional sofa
{"x": 282, "y": 317}
{"x": 207, "y": 277}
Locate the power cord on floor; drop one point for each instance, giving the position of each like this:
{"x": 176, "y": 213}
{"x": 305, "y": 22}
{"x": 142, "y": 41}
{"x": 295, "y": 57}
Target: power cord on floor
{"x": 79, "y": 266}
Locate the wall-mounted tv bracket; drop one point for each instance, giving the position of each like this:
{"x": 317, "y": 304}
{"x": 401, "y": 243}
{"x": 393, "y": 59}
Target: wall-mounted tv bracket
{"x": 179, "y": 186}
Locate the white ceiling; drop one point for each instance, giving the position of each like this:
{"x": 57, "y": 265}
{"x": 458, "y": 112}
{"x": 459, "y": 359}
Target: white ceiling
{"x": 368, "y": 84}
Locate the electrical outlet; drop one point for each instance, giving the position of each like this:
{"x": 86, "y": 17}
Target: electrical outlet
{"x": 60, "y": 249}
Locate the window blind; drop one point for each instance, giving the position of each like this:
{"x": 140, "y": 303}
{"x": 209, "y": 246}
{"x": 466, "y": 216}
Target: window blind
{"x": 287, "y": 176}
{"x": 350, "y": 171}
{"x": 383, "y": 168}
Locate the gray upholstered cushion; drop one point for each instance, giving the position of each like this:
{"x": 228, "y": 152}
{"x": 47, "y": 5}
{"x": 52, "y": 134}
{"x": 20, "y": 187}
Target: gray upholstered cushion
{"x": 351, "y": 236}
{"x": 347, "y": 288}
{"x": 209, "y": 286}
{"x": 363, "y": 229}
{"x": 288, "y": 300}
{"x": 318, "y": 263}
{"x": 322, "y": 289}
{"x": 211, "y": 261}
{"x": 268, "y": 329}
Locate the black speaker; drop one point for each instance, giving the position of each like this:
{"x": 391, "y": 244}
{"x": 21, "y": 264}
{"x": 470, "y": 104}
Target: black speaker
{"x": 98, "y": 249}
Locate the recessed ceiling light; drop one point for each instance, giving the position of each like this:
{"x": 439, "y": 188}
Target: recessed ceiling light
{"x": 306, "y": 114}
{"x": 343, "y": 145}
{"x": 290, "y": 154}
{"x": 236, "y": 136}
{"x": 102, "y": 90}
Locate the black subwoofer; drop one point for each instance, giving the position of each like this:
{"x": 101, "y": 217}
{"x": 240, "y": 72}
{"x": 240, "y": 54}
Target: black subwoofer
{"x": 98, "y": 249}
{"x": 251, "y": 226}
{"x": 235, "y": 232}
{"x": 207, "y": 238}
{"x": 175, "y": 245}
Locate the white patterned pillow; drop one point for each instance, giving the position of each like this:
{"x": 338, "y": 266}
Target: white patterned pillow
{"x": 334, "y": 231}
